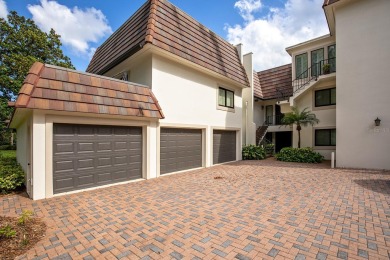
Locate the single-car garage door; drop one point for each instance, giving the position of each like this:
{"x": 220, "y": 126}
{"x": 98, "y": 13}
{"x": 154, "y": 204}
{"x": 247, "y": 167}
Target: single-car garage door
{"x": 180, "y": 149}
{"x": 86, "y": 156}
{"x": 224, "y": 146}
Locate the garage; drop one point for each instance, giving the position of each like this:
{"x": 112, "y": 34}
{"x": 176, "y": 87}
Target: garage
{"x": 224, "y": 146}
{"x": 180, "y": 149}
{"x": 86, "y": 156}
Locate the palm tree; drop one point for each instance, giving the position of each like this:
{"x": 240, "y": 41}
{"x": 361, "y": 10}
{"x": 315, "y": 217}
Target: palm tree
{"x": 300, "y": 118}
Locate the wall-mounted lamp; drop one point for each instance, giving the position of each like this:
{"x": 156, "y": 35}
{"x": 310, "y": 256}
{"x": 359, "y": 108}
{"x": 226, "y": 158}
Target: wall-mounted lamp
{"x": 262, "y": 107}
{"x": 377, "y": 122}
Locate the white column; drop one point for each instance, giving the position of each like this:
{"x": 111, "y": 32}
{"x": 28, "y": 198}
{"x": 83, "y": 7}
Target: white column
{"x": 152, "y": 147}
{"x": 38, "y": 156}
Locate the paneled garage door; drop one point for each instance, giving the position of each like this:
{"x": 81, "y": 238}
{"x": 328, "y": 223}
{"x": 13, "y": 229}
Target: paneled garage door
{"x": 86, "y": 156}
{"x": 224, "y": 146}
{"x": 180, "y": 149}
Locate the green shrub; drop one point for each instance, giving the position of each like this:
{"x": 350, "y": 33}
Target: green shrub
{"x": 253, "y": 152}
{"x": 269, "y": 149}
{"x": 302, "y": 155}
{"x": 25, "y": 217}
{"x": 7, "y": 147}
{"x": 11, "y": 174}
{"x": 7, "y": 232}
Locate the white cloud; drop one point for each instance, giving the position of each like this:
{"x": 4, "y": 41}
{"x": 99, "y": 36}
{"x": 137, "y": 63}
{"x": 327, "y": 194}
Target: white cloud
{"x": 3, "y": 9}
{"x": 268, "y": 37}
{"x": 78, "y": 28}
{"x": 247, "y": 7}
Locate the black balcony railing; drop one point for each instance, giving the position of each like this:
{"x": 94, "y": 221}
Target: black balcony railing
{"x": 274, "y": 120}
{"x": 317, "y": 69}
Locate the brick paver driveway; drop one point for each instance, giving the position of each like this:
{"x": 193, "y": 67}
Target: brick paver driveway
{"x": 257, "y": 210}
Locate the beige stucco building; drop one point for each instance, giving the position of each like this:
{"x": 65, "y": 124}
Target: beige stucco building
{"x": 350, "y": 93}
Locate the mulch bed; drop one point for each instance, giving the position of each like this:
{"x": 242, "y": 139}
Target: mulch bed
{"x": 27, "y": 236}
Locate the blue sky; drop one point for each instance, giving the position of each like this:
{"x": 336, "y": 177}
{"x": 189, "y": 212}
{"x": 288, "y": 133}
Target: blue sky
{"x": 265, "y": 27}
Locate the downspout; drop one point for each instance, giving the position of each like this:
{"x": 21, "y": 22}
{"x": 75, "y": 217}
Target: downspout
{"x": 246, "y": 122}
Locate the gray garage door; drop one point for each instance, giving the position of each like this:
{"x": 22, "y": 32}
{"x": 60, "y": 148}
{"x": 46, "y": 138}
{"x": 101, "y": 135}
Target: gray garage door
{"x": 180, "y": 149}
{"x": 224, "y": 146}
{"x": 86, "y": 156}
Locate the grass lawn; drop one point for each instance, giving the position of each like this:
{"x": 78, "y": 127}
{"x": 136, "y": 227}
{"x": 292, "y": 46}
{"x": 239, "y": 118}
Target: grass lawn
{"x": 8, "y": 153}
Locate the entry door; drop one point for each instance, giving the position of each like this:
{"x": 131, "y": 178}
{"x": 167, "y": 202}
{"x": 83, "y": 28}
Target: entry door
{"x": 269, "y": 110}
{"x": 29, "y": 160}
{"x": 317, "y": 58}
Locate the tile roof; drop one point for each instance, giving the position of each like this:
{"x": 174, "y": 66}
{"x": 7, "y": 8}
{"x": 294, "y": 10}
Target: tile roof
{"x": 162, "y": 24}
{"x": 256, "y": 86}
{"x": 49, "y": 87}
{"x": 275, "y": 83}
{"x": 329, "y": 2}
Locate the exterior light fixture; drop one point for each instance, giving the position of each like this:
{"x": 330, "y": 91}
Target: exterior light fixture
{"x": 377, "y": 122}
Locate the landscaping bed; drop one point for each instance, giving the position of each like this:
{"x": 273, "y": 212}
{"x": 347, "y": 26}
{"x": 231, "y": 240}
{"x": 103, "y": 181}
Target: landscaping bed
{"x": 17, "y": 236}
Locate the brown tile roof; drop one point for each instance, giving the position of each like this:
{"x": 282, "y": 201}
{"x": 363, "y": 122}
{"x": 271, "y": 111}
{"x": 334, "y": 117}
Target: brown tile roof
{"x": 275, "y": 83}
{"x": 256, "y": 86}
{"x": 329, "y": 2}
{"x": 49, "y": 87}
{"x": 162, "y": 24}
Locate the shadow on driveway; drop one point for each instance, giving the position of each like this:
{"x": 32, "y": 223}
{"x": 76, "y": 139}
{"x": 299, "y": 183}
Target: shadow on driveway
{"x": 381, "y": 186}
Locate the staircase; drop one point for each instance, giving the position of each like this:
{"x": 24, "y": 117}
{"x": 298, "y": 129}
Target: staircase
{"x": 260, "y": 133}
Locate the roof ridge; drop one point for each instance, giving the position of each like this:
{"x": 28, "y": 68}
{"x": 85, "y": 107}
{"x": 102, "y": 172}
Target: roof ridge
{"x": 151, "y": 21}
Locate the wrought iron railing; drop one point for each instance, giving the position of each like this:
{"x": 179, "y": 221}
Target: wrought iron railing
{"x": 274, "y": 120}
{"x": 317, "y": 69}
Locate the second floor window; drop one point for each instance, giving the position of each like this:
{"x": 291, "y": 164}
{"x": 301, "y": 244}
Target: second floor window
{"x": 325, "y": 97}
{"x": 225, "y": 98}
{"x": 301, "y": 66}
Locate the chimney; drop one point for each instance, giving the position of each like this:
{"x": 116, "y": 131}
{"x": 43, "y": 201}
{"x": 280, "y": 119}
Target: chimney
{"x": 240, "y": 50}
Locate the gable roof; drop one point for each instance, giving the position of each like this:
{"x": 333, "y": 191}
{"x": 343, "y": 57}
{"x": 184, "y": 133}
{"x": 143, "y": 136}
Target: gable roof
{"x": 275, "y": 83}
{"x": 163, "y": 25}
{"x": 50, "y": 87}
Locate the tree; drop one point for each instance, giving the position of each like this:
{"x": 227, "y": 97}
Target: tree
{"x": 300, "y": 118}
{"x": 21, "y": 44}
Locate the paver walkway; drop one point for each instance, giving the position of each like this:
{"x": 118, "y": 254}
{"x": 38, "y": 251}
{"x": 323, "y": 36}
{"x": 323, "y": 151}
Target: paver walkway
{"x": 257, "y": 210}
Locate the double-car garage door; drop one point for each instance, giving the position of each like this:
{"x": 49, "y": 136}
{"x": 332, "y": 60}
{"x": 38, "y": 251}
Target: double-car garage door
{"x": 87, "y": 156}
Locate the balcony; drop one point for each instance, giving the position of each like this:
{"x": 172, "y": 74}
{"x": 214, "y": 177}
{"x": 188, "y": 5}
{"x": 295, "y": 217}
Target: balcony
{"x": 273, "y": 120}
{"x": 323, "y": 67}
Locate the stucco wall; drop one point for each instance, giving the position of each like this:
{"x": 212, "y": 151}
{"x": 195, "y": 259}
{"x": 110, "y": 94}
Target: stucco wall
{"x": 363, "y": 80}
{"x": 326, "y": 115}
{"x": 21, "y": 144}
{"x": 190, "y": 97}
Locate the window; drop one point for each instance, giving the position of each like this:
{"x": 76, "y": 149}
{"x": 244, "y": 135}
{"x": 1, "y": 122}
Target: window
{"x": 301, "y": 66}
{"x": 317, "y": 58}
{"x": 332, "y": 57}
{"x": 325, "y": 137}
{"x": 225, "y": 98}
{"x": 325, "y": 97}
